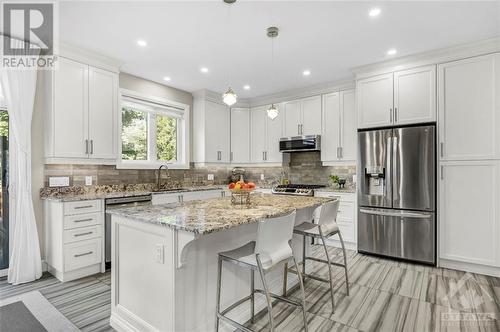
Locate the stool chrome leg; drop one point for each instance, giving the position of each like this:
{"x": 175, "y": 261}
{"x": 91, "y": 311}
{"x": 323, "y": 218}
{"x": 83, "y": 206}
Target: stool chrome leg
{"x": 345, "y": 263}
{"x": 252, "y": 295}
{"x": 217, "y": 306}
{"x": 285, "y": 278}
{"x": 303, "y": 256}
{"x": 329, "y": 267}
{"x": 301, "y": 283}
{"x": 266, "y": 290}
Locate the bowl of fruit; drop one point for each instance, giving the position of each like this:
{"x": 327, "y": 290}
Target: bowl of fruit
{"x": 240, "y": 192}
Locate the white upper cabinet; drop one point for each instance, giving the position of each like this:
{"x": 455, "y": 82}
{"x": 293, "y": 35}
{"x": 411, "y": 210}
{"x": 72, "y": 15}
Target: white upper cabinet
{"x": 265, "y": 134}
{"x": 81, "y": 121}
{"x": 469, "y": 108}
{"x": 69, "y": 111}
{"x": 415, "y": 95}
{"x": 339, "y": 139}
{"x": 348, "y": 129}
{"x": 103, "y": 94}
{"x": 311, "y": 116}
{"x": 240, "y": 135}
{"x": 399, "y": 98}
{"x": 303, "y": 116}
{"x": 212, "y": 132}
{"x": 330, "y": 140}
{"x": 375, "y": 101}
{"x": 293, "y": 118}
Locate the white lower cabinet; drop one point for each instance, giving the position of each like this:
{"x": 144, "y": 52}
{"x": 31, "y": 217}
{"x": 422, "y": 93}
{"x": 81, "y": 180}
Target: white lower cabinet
{"x": 346, "y": 218}
{"x": 74, "y": 238}
{"x": 469, "y": 205}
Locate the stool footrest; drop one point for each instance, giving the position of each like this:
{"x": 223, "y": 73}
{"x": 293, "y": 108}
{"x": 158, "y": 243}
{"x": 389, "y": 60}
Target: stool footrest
{"x": 310, "y": 276}
{"x": 324, "y": 261}
{"x": 279, "y": 297}
{"x": 234, "y": 323}
{"x": 234, "y": 305}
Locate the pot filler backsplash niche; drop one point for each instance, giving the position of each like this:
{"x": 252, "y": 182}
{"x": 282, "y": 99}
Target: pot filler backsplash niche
{"x": 304, "y": 167}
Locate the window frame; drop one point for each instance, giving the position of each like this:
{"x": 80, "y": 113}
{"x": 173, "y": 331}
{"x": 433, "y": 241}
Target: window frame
{"x": 182, "y": 131}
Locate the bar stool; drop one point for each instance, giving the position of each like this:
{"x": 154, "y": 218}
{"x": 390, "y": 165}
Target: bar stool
{"x": 325, "y": 227}
{"x": 272, "y": 247}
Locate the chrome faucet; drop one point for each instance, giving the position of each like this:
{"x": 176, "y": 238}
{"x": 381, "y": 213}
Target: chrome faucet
{"x": 158, "y": 183}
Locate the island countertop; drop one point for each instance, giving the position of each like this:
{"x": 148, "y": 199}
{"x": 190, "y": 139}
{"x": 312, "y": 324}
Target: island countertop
{"x": 216, "y": 214}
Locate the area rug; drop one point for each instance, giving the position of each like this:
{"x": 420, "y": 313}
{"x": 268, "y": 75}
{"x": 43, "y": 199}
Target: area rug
{"x": 32, "y": 312}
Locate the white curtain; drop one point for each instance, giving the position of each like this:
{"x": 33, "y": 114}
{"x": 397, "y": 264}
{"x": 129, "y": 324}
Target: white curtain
{"x": 18, "y": 88}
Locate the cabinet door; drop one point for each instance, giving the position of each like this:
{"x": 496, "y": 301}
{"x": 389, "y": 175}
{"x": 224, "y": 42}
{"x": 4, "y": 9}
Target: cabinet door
{"x": 374, "y": 96}
{"x": 258, "y": 134}
{"x": 349, "y": 137}
{"x": 240, "y": 135}
{"x": 274, "y": 131}
{"x": 70, "y": 109}
{"x": 103, "y": 94}
{"x": 293, "y": 118}
{"x": 330, "y": 140}
{"x": 311, "y": 116}
{"x": 469, "y": 212}
{"x": 415, "y": 95}
{"x": 217, "y": 133}
{"x": 469, "y": 108}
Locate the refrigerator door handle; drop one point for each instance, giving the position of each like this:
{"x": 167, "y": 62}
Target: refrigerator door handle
{"x": 388, "y": 176}
{"x": 395, "y": 179}
{"x": 414, "y": 215}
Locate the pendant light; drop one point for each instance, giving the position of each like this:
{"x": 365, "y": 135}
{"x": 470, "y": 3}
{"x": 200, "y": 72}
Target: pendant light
{"x": 272, "y": 32}
{"x": 229, "y": 97}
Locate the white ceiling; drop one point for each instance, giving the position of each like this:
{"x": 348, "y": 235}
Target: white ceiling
{"x": 327, "y": 37}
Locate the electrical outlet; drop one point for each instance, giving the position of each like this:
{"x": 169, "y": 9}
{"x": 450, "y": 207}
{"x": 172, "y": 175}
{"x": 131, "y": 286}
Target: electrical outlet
{"x": 354, "y": 178}
{"x": 88, "y": 180}
{"x": 262, "y": 177}
{"x": 210, "y": 177}
{"x": 59, "y": 181}
{"x": 159, "y": 257}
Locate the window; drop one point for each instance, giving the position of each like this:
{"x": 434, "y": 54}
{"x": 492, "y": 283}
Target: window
{"x": 152, "y": 133}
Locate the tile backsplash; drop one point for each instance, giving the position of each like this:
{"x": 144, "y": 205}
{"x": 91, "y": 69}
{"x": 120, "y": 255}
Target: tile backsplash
{"x": 303, "y": 167}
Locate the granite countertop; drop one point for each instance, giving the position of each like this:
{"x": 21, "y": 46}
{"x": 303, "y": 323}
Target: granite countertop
{"x": 72, "y": 197}
{"x": 216, "y": 214}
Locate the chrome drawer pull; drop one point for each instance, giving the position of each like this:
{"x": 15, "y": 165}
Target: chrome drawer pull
{"x": 82, "y": 220}
{"x": 84, "y": 254}
{"x": 82, "y": 234}
{"x": 83, "y": 207}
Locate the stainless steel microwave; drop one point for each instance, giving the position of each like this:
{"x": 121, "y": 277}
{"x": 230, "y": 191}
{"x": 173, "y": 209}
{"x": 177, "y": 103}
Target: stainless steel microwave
{"x": 300, "y": 143}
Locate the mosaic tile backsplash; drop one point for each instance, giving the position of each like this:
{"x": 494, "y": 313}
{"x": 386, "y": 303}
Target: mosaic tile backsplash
{"x": 303, "y": 167}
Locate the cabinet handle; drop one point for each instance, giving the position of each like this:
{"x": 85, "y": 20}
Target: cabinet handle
{"x": 86, "y": 146}
{"x": 340, "y": 152}
{"x": 441, "y": 149}
{"x": 83, "y": 207}
{"x": 91, "y": 146}
{"x": 390, "y": 114}
{"x": 82, "y": 234}
{"x": 83, "y": 220}
{"x": 302, "y": 129}
{"x": 231, "y": 156}
{"x": 265, "y": 154}
{"x": 298, "y": 129}
{"x": 395, "y": 114}
{"x": 84, "y": 254}
{"x": 442, "y": 173}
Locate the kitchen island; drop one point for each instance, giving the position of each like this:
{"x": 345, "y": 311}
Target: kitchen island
{"x": 164, "y": 267}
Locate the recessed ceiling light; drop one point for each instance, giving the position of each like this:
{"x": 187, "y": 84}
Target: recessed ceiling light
{"x": 204, "y": 69}
{"x": 392, "y": 51}
{"x": 142, "y": 43}
{"x": 246, "y": 87}
{"x": 166, "y": 78}
{"x": 306, "y": 72}
{"x": 374, "y": 12}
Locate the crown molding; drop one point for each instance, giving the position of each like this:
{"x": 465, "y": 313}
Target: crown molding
{"x": 88, "y": 57}
{"x": 436, "y": 56}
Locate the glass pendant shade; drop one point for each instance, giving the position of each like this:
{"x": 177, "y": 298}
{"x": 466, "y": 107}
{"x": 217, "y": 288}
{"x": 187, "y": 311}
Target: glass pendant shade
{"x": 229, "y": 98}
{"x": 272, "y": 112}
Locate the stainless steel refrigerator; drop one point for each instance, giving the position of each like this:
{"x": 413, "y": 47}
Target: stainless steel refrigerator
{"x": 397, "y": 193}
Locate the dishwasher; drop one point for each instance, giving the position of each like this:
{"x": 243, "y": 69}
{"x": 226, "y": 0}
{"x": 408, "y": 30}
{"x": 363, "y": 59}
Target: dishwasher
{"x": 119, "y": 203}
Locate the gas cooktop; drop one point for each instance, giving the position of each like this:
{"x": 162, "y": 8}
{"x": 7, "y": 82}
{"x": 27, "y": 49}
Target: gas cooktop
{"x": 296, "y": 189}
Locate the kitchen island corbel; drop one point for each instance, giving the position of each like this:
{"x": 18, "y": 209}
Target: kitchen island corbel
{"x": 164, "y": 264}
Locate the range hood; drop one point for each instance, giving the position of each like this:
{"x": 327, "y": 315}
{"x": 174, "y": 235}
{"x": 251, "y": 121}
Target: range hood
{"x": 300, "y": 143}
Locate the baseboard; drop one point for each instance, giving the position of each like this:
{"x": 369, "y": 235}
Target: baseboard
{"x": 75, "y": 274}
{"x": 470, "y": 267}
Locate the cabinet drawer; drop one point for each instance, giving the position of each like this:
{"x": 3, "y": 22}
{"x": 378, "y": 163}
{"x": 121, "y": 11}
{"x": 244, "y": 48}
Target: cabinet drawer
{"x": 82, "y": 220}
{"x": 82, "y": 233}
{"x": 81, "y": 254}
{"x": 346, "y": 210}
{"x": 80, "y": 207}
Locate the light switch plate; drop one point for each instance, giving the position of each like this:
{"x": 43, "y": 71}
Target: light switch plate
{"x": 210, "y": 177}
{"x": 88, "y": 180}
{"x": 59, "y": 181}
{"x": 354, "y": 178}
{"x": 159, "y": 257}
{"x": 262, "y": 177}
